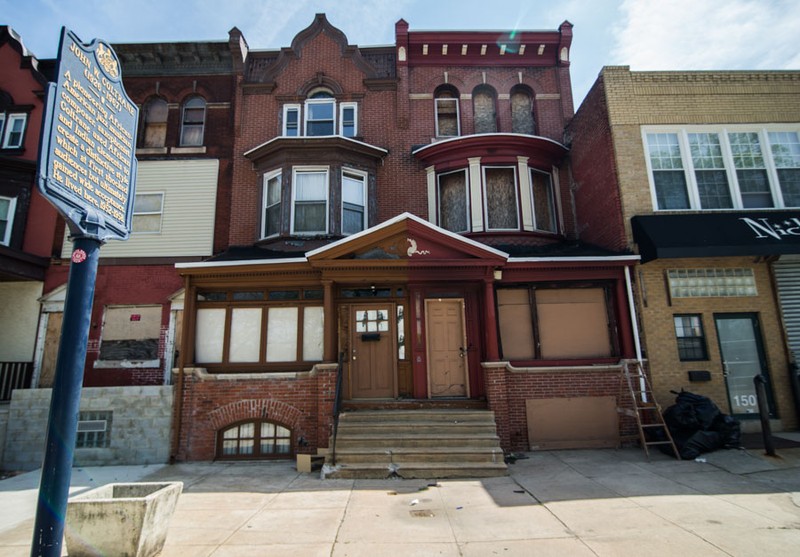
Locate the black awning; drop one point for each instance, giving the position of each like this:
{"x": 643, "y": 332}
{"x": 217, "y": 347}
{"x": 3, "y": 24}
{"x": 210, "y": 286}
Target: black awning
{"x": 717, "y": 234}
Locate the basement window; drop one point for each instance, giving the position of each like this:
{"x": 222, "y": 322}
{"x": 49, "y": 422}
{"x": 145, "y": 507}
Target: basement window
{"x": 94, "y": 430}
{"x": 254, "y": 439}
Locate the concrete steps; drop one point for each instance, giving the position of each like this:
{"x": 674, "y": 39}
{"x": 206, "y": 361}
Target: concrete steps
{"x": 437, "y": 443}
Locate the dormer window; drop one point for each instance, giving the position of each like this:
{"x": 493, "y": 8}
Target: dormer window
{"x": 320, "y": 114}
{"x": 320, "y": 118}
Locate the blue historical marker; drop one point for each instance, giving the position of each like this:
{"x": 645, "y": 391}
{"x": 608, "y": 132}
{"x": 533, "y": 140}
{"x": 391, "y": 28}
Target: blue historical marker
{"x": 87, "y": 170}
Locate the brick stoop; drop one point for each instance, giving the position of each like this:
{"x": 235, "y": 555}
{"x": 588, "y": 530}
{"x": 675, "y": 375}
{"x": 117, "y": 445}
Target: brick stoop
{"x": 433, "y": 443}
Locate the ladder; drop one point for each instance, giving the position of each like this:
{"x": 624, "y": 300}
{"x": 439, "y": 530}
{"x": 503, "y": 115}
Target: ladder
{"x": 653, "y": 431}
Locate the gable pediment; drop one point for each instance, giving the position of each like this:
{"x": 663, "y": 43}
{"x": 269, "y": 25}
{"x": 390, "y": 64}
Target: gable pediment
{"x": 407, "y": 238}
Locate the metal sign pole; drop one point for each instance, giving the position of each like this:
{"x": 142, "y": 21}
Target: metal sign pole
{"x": 48, "y": 532}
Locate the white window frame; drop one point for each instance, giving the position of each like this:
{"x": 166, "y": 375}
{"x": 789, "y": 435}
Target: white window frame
{"x": 486, "y": 204}
{"x": 468, "y": 208}
{"x": 147, "y": 213}
{"x": 458, "y": 115}
{"x": 723, "y": 131}
{"x": 342, "y": 108}
{"x": 287, "y": 108}
{"x": 12, "y": 207}
{"x": 309, "y": 102}
{"x": 364, "y": 178}
{"x": 267, "y": 177}
{"x": 8, "y": 127}
{"x": 299, "y": 170}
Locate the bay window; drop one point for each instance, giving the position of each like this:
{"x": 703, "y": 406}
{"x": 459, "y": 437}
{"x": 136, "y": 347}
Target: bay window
{"x": 544, "y": 206}
{"x": 500, "y": 198}
{"x": 354, "y": 199}
{"x": 7, "y": 207}
{"x": 271, "y": 225}
{"x": 310, "y": 200}
{"x": 716, "y": 167}
{"x": 453, "y": 201}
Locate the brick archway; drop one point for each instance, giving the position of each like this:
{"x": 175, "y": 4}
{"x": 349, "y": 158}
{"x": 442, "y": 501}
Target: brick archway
{"x": 255, "y": 409}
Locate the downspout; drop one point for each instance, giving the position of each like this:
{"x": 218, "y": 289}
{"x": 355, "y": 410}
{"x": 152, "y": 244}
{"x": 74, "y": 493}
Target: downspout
{"x": 635, "y": 324}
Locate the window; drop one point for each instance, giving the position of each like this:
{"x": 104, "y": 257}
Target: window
{"x": 272, "y": 205}
{"x": 7, "y": 208}
{"x": 544, "y": 207}
{"x": 155, "y": 123}
{"x": 735, "y": 167}
{"x": 310, "y": 201}
{"x": 348, "y": 118}
{"x": 12, "y": 128}
{"x": 483, "y": 108}
{"x": 554, "y": 323}
{"x": 786, "y": 154}
{"x": 711, "y": 283}
{"x": 147, "y": 211}
{"x": 522, "y": 111}
{"x": 500, "y": 193}
{"x": 279, "y": 327}
{"x": 447, "y": 120}
{"x": 690, "y": 336}
{"x": 94, "y": 430}
{"x": 131, "y": 333}
{"x": 320, "y": 117}
{"x": 291, "y": 120}
{"x": 320, "y": 114}
{"x": 453, "y": 201}
{"x": 194, "y": 117}
{"x": 354, "y": 195}
{"x": 255, "y": 439}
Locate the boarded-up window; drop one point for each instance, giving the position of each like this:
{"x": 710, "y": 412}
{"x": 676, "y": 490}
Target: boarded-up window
{"x": 500, "y": 185}
{"x": 573, "y": 323}
{"x": 483, "y": 107}
{"x": 516, "y": 324}
{"x": 155, "y": 122}
{"x": 447, "y": 114}
{"x": 453, "y": 201}
{"x": 131, "y": 333}
{"x": 522, "y": 112}
{"x": 544, "y": 207}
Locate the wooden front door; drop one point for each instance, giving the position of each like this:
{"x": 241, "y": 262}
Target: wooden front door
{"x": 447, "y": 348}
{"x": 373, "y": 352}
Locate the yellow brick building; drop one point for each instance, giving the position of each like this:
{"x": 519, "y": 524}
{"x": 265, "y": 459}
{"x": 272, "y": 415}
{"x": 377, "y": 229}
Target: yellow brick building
{"x": 699, "y": 173}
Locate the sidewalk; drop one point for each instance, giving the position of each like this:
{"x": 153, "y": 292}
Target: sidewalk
{"x": 576, "y": 503}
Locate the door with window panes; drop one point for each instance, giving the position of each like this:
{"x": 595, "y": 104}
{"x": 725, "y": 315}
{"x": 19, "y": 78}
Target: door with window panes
{"x": 373, "y": 351}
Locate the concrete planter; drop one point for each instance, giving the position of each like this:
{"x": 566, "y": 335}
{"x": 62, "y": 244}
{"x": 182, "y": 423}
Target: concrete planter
{"x": 123, "y": 519}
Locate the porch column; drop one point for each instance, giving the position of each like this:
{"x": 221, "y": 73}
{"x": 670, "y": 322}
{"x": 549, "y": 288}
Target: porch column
{"x": 328, "y": 342}
{"x": 490, "y": 320}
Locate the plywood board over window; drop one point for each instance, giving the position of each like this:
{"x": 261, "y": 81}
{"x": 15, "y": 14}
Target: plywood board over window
{"x": 516, "y": 325}
{"x": 130, "y": 333}
{"x": 573, "y": 323}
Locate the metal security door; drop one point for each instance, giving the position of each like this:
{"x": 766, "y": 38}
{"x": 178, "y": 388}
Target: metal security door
{"x": 742, "y": 359}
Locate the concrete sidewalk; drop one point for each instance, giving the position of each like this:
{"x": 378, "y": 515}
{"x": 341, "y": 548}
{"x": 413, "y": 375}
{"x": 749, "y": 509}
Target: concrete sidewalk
{"x": 576, "y": 503}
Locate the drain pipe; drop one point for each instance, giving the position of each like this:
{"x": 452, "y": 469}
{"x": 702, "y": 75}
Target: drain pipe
{"x": 635, "y": 324}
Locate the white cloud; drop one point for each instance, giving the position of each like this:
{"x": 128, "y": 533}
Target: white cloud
{"x": 708, "y": 34}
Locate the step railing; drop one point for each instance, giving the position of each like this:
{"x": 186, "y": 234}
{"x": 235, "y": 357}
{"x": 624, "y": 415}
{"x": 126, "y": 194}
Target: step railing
{"x": 14, "y": 375}
{"x": 337, "y": 406}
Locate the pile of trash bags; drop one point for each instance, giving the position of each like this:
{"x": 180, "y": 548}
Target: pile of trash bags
{"x": 697, "y": 426}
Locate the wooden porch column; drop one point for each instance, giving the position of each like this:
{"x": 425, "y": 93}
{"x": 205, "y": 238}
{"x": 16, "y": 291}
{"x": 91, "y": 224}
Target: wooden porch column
{"x": 329, "y": 333}
{"x": 490, "y": 320}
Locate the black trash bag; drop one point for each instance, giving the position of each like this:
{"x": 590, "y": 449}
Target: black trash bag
{"x": 730, "y": 430}
{"x": 705, "y": 411}
{"x": 699, "y": 443}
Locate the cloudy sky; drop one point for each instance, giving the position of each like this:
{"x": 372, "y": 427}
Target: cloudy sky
{"x": 644, "y": 34}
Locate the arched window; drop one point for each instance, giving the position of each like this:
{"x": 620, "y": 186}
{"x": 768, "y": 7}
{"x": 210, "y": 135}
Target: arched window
{"x": 193, "y": 122}
{"x": 483, "y": 108}
{"x": 254, "y": 439}
{"x": 522, "y": 120}
{"x": 320, "y": 114}
{"x": 155, "y": 122}
{"x": 447, "y": 121}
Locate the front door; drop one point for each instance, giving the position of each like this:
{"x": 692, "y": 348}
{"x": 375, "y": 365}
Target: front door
{"x": 742, "y": 359}
{"x": 447, "y": 348}
{"x": 373, "y": 356}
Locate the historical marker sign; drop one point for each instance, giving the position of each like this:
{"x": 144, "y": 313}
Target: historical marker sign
{"x": 87, "y": 164}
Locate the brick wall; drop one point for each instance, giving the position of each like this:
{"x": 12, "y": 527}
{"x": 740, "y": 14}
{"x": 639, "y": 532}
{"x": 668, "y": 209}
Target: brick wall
{"x": 303, "y": 402}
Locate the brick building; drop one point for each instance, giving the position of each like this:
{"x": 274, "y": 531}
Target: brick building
{"x": 698, "y": 172}
{"x": 405, "y": 208}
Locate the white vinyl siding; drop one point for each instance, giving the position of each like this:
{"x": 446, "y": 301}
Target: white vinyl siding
{"x": 187, "y": 225}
